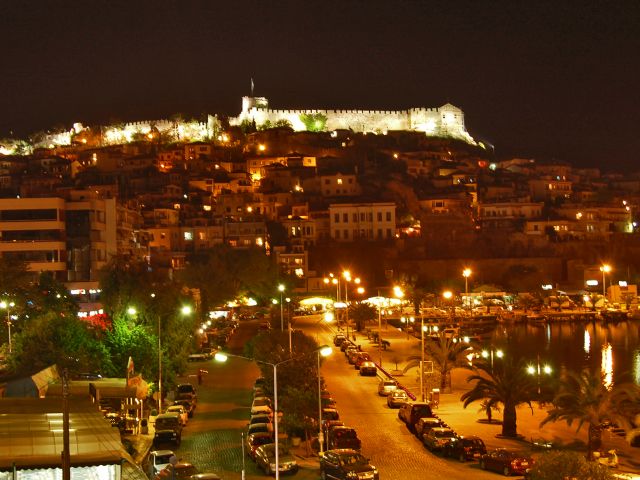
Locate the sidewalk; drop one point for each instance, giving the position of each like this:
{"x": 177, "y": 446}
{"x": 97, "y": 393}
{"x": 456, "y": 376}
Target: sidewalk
{"x": 470, "y": 421}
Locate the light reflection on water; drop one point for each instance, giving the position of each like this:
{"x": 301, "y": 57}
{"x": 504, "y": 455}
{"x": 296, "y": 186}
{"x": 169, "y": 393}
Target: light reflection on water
{"x": 607, "y": 366}
{"x": 575, "y": 346}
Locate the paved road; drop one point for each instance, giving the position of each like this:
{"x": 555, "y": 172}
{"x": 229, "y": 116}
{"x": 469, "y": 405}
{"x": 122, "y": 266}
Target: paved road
{"x": 212, "y": 439}
{"x": 396, "y": 452}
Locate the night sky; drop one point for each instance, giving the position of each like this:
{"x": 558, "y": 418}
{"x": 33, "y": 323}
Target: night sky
{"x": 539, "y": 79}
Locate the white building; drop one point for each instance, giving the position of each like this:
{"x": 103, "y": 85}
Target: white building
{"x": 362, "y": 221}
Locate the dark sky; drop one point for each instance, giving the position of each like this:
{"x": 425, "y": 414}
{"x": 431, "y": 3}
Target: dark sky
{"x": 542, "y": 79}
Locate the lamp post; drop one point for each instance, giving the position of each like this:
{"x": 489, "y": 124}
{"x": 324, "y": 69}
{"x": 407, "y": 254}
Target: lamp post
{"x": 422, "y": 329}
{"x": 466, "y": 273}
{"x": 605, "y": 268}
{"x": 323, "y": 351}
{"x": 448, "y": 295}
{"x": 289, "y": 324}
{"x": 223, "y": 357}
{"x": 281, "y": 290}
{"x": 489, "y": 354}
{"x": 538, "y": 370}
{"x": 8, "y": 306}
{"x": 185, "y": 310}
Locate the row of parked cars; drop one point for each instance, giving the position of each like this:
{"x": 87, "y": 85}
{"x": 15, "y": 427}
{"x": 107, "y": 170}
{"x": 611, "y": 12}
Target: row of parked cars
{"x": 169, "y": 424}
{"x": 260, "y": 436}
{"x": 361, "y": 361}
{"x": 438, "y": 437}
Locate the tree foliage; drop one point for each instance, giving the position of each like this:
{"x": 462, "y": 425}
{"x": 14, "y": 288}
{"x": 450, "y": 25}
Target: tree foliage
{"x": 361, "y": 313}
{"x": 314, "y": 122}
{"x": 583, "y": 398}
{"x": 507, "y": 384}
{"x": 560, "y": 465}
{"x": 446, "y": 355}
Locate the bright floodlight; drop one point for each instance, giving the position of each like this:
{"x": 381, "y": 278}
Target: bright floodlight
{"x": 397, "y": 291}
{"x": 325, "y": 350}
{"x": 186, "y": 310}
{"x": 281, "y": 287}
{"x": 447, "y": 294}
{"x": 485, "y": 354}
{"x": 328, "y": 317}
{"x": 547, "y": 369}
{"x": 274, "y": 301}
{"x": 466, "y": 272}
{"x": 131, "y": 311}
{"x": 531, "y": 369}
{"x": 499, "y": 353}
{"x": 3, "y": 304}
{"x": 220, "y": 357}
{"x": 605, "y": 268}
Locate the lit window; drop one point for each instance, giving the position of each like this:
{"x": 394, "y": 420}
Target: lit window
{"x": 339, "y": 181}
{"x": 188, "y": 235}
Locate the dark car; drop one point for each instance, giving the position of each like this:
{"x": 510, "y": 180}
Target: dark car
{"x": 360, "y": 358}
{"x": 368, "y": 368}
{"x": 255, "y": 440}
{"x": 465, "y": 448}
{"x": 397, "y": 398}
{"x": 168, "y": 429}
{"x": 436, "y": 438}
{"x": 340, "y": 437}
{"x": 338, "y": 339}
{"x": 346, "y": 464}
{"x": 266, "y": 459}
{"x": 410, "y": 413}
{"x": 507, "y": 462}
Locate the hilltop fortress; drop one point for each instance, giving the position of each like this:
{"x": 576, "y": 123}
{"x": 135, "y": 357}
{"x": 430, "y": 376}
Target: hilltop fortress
{"x": 446, "y": 121}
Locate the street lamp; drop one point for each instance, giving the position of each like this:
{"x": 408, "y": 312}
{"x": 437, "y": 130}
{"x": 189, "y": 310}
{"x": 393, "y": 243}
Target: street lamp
{"x": 466, "y": 273}
{"x": 324, "y": 351}
{"x": 489, "y": 354}
{"x": 185, "y": 310}
{"x": 423, "y": 328}
{"x": 605, "y": 268}
{"x": 223, "y": 357}
{"x": 538, "y": 370}
{"x": 8, "y": 306}
{"x": 281, "y": 290}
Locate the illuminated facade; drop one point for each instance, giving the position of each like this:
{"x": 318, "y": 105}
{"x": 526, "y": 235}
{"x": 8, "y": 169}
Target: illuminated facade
{"x": 446, "y": 121}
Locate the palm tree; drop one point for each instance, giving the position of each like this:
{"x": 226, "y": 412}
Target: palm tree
{"x": 446, "y": 353}
{"x": 584, "y": 398}
{"x": 507, "y": 384}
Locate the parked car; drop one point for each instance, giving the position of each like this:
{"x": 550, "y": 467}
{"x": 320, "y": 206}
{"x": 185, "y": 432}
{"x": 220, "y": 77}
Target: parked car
{"x": 329, "y": 414}
{"x": 183, "y": 471}
{"x": 255, "y": 440}
{"x": 507, "y": 462}
{"x": 266, "y": 459}
{"x": 339, "y": 437}
{"x": 182, "y": 413}
{"x": 360, "y": 358}
{"x": 385, "y": 387}
{"x": 188, "y": 406}
{"x": 396, "y": 398}
{"x": 168, "y": 429}
{"x": 206, "y": 476}
{"x": 436, "y": 438}
{"x": 346, "y": 464}
{"x": 260, "y": 427}
{"x": 352, "y": 355}
{"x": 186, "y": 391}
{"x": 338, "y": 339}
{"x": 410, "y": 413}
{"x": 424, "y": 424}
{"x": 345, "y": 344}
{"x": 261, "y": 405}
{"x": 368, "y": 368}
{"x": 465, "y": 448}
{"x": 261, "y": 418}
{"x": 158, "y": 460}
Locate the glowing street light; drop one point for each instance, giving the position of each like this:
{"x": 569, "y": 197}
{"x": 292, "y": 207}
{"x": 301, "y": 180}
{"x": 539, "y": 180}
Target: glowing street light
{"x": 538, "y": 370}
{"x": 466, "y": 273}
{"x": 489, "y": 354}
{"x": 8, "y": 306}
{"x": 605, "y": 268}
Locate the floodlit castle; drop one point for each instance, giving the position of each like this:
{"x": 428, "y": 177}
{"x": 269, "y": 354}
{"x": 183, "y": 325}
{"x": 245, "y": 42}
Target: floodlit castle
{"x": 446, "y": 121}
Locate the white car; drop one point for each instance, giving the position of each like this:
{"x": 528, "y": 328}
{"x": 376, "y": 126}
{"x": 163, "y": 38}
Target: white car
{"x": 159, "y": 460}
{"x": 261, "y": 405}
{"x": 181, "y": 411}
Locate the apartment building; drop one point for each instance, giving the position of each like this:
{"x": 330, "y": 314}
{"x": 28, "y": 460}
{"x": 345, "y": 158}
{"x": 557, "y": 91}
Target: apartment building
{"x": 362, "y": 221}
{"x": 72, "y": 237}
{"x": 508, "y": 215}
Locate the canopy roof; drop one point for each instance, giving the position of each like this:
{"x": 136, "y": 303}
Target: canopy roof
{"x": 31, "y": 434}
